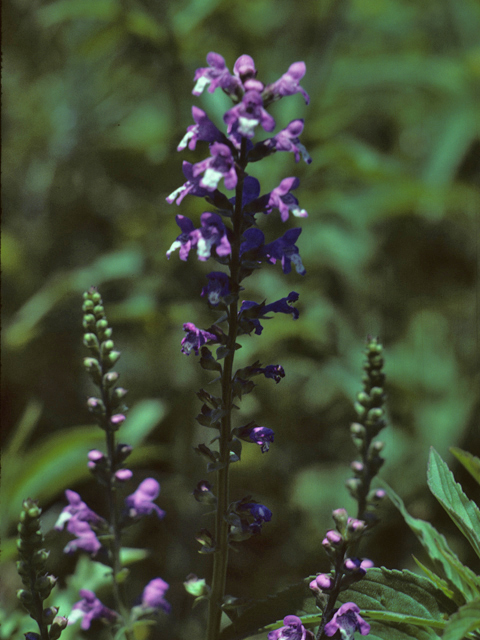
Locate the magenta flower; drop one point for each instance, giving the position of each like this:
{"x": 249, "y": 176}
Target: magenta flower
{"x": 288, "y": 84}
{"x": 347, "y": 620}
{"x": 244, "y": 68}
{"x": 322, "y": 582}
{"x": 152, "y": 597}
{"x": 195, "y": 338}
{"x": 85, "y": 538}
{"x": 281, "y": 198}
{"x": 203, "y": 129}
{"x": 215, "y": 75}
{"x": 248, "y": 114}
{"x": 220, "y": 165}
{"x": 191, "y": 186}
{"x": 293, "y": 630}
{"x": 140, "y": 503}
{"x": 90, "y": 608}
{"x": 78, "y": 510}
{"x": 186, "y": 240}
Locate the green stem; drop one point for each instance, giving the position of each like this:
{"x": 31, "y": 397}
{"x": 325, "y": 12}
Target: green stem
{"x": 222, "y": 527}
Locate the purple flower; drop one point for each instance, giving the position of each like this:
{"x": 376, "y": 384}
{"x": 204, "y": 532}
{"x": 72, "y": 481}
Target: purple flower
{"x": 244, "y": 68}
{"x": 78, "y": 510}
{"x": 245, "y": 116}
{"x": 152, "y": 596}
{"x": 250, "y": 312}
{"x": 195, "y": 338}
{"x": 259, "y": 435}
{"x": 254, "y": 240}
{"x": 288, "y": 84}
{"x": 186, "y": 240}
{"x": 287, "y": 140}
{"x": 140, "y": 503}
{"x": 274, "y": 371}
{"x": 215, "y": 75}
{"x": 86, "y": 539}
{"x": 212, "y": 234}
{"x": 285, "y": 249}
{"x": 90, "y": 608}
{"x": 217, "y": 288}
{"x": 203, "y": 129}
{"x": 283, "y": 305}
{"x": 260, "y": 514}
{"x": 281, "y": 198}
{"x": 322, "y": 582}
{"x": 347, "y": 620}
{"x": 191, "y": 186}
{"x": 220, "y": 165}
{"x": 293, "y": 630}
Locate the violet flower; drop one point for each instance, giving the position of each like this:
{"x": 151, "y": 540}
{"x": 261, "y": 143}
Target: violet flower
{"x": 191, "y": 186}
{"x": 293, "y": 630}
{"x": 285, "y": 249}
{"x": 78, "y": 510}
{"x": 186, "y": 240}
{"x": 347, "y": 620}
{"x": 195, "y": 338}
{"x": 220, "y": 165}
{"x": 85, "y": 538}
{"x": 217, "y": 288}
{"x": 288, "y": 84}
{"x": 203, "y": 129}
{"x": 287, "y": 140}
{"x": 153, "y": 595}
{"x": 259, "y": 435}
{"x": 245, "y": 116}
{"x": 250, "y": 312}
{"x": 212, "y": 233}
{"x": 281, "y": 198}
{"x": 90, "y": 608}
{"x": 215, "y": 75}
{"x": 141, "y": 503}
{"x": 274, "y": 371}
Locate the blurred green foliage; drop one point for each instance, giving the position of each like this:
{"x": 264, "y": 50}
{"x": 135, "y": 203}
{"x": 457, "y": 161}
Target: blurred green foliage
{"x": 97, "y": 94}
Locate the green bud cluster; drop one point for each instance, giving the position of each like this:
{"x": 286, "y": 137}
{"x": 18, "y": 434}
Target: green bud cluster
{"x": 370, "y": 409}
{"x": 98, "y": 339}
{"x": 37, "y": 582}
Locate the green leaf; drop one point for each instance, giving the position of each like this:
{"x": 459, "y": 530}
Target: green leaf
{"x": 449, "y": 493}
{"x": 469, "y": 461}
{"x": 466, "y": 619}
{"x": 461, "y": 580}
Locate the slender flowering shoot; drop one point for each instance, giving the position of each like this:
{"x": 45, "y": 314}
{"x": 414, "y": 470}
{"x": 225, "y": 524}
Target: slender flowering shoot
{"x": 228, "y": 233}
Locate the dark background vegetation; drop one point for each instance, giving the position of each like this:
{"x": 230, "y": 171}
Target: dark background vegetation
{"x": 96, "y": 96}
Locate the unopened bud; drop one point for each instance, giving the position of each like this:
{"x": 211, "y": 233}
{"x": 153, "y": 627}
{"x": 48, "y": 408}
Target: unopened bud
{"x": 58, "y": 625}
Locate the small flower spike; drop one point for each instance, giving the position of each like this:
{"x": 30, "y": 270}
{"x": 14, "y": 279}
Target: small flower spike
{"x": 293, "y": 630}
{"x": 346, "y": 621}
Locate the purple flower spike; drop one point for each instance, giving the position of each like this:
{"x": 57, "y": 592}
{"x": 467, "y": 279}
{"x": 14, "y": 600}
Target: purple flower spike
{"x": 347, "y": 620}
{"x": 90, "y": 608}
{"x": 220, "y": 165}
{"x": 281, "y": 198}
{"x": 288, "y": 84}
{"x": 217, "y": 288}
{"x": 85, "y": 539}
{"x": 186, "y": 240}
{"x": 248, "y": 114}
{"x": 287, "y": 140}
{"x": 215, "y": 75}
{"x": 152, "y": 597}
{"x": 212, "y": 234}
{"x": 293, "y": 630}
{"x": 195, "y": 338}
{"x": 191, "y": 186}
{"x": 203, "y": 129}
{"x": 285, "y": 249}
{"x": 140, "y": 503}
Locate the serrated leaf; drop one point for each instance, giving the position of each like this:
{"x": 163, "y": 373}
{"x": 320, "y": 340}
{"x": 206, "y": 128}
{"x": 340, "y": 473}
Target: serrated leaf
{"x": 440, "y": 583}
{"x": 466, "y": 619}
{"x": 469, "y": 461}
{"x": 464, "y": 512}
{"x": 461, "y": 580}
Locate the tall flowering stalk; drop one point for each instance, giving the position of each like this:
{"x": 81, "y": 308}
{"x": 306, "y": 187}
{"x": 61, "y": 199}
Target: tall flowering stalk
{"x": 228, "y": 233}
{"x": 101, "y": 536}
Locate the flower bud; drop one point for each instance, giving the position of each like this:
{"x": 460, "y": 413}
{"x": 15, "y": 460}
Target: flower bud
{"x": 340, "y": 517}
{"x": 49, "y": 614}
{"x": 110, "y": 378}
{"x": 99, "y": 312}
{"x": 203, "y": 493}
{"x": 58, "y": 625}
{"x": 122, "y": 475}
{"x": 322, "y": 582}
{"x": 117, "y": 420}
{"x": 90, "y": 340}
{"x": 196, "y": 586}
{"x": 93, "y": 368}
{"x": 110, "y": 359}
{"x": 122, "y": 453}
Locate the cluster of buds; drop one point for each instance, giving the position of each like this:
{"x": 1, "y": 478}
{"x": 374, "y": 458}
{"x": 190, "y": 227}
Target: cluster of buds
{"x": 37, "y": 582}
{"x": 370, "y": 421}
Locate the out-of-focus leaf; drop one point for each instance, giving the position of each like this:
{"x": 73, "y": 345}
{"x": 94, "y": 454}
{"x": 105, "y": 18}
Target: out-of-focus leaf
{"x": 462, "y": 511}
{"x": 63, "y": 10}
{"x": 469, "y": 461}
{"x": 141, "y": 420}
{"x": 466, "y": 619}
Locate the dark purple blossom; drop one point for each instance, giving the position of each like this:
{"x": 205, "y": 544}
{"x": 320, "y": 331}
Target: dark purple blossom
{"x": 285, "y": 249}
{"x": 274, "y": 371}
{"x": 251, "y": 190}
{"x": 259, "y": 435}
{"x": 288, "y": 84}
{"x": 347, "y": 620}
{"x": 281, "y": 198}
{"x": 153, "y": 595}
{"x": 90, "y": 608}
{"x": 212, "y": 233}
{"x": 215, "y": 75}
{"x": 248, "y": 114}
{"x": 191, "y": 186}
{"x": 287, "y": 140}
{"x": 293, "y": 630}
{"x": 195, "y": 338}
{"x": 85, "y": 538}
{"x": 220, "y": 165}
{"x": 250, "y": 312}
{"x": 203, "y": 129}
{"x": 186, "y": 240}
{"x": 254, "y": 240}
{"x": 140, "y": 503}
{"x": 217, "y": 288}
{"x": 283, "y": 305}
